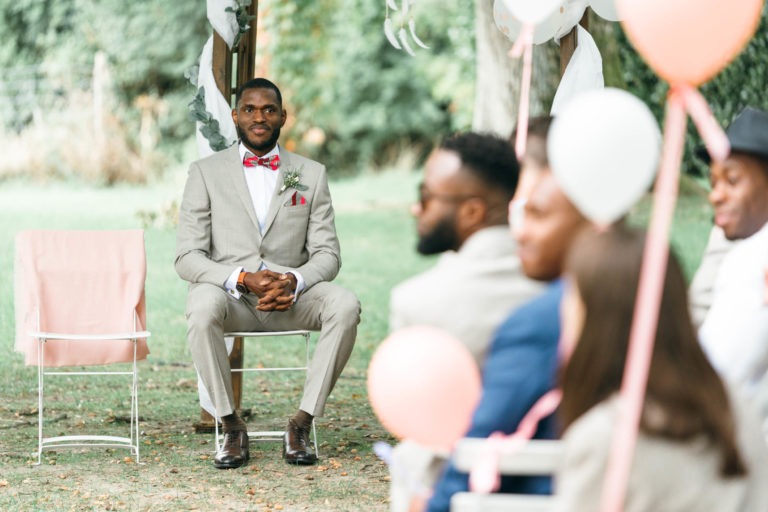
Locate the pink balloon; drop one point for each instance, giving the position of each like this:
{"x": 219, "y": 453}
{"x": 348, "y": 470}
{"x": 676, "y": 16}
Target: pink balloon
{"x": 423, "y": 385}
{"x": 689, "y": 41}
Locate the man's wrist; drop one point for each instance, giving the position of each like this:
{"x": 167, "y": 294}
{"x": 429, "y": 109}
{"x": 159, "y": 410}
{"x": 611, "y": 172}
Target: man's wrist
{"x": 241, "y": 286}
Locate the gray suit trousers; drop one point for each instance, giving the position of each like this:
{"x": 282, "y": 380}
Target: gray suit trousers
{"x": 325, "y": 307}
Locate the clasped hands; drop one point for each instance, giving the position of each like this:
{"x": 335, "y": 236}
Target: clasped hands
{"x": 275, "y": 291}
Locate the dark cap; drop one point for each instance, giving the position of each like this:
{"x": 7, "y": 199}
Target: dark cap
{"x": 748, "y": 133}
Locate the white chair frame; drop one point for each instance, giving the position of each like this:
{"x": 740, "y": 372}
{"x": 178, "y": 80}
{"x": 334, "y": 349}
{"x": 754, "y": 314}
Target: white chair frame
{"x": 269, "y": 435}
{"x": 76, "y": 441}
{"x": 536, "y": 458}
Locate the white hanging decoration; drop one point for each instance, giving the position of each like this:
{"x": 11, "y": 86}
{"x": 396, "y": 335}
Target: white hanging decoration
{"x": 390, "y": 33}
{"x": 402, "y": 35}
{"x": 412, "y": 30}
{"x": 400, "y": 40}
{"x": 223, "y": 22}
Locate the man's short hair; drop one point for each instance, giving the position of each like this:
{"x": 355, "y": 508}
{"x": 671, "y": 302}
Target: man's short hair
{"x": 489, "y": 158}
{"x": 259, "y": 83}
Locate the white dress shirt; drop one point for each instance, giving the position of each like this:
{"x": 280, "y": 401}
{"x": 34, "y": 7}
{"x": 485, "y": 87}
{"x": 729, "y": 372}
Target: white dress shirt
{"x": 735, "y": 331}
{"x": 261, "y": 181}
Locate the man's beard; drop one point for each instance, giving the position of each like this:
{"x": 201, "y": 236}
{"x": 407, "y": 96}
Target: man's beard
{"x": 442, "y": 238}
{"x": 253, "y": 146}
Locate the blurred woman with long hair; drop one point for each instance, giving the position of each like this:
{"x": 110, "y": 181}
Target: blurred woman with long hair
{"x": 699, "y": 448}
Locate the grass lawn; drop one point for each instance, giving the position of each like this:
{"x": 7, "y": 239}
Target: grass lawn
{"x": 377, "y": 240}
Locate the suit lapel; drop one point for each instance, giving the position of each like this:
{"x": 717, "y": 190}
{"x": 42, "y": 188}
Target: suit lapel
{"x": 234, "y": 167}
{"x": 276, "y": 202}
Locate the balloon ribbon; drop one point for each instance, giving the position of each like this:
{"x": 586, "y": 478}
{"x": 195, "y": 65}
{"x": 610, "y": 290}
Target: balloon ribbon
{"x": 642, "y": 336}
{"x": 484, "y": 476}
{"x": 523, "y": 47}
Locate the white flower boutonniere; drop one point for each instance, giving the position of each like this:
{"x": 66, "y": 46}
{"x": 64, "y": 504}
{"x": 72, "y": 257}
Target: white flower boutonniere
{"x": 292, "y": 179}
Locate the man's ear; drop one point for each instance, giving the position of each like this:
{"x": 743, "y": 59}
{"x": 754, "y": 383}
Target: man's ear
{"x": 473, "y": 212}
{"x": 283, "y": 116}
{"x": 234, "y": 116}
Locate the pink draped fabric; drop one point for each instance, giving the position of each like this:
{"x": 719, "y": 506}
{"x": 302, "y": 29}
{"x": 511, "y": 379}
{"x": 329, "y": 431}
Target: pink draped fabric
{"x": 80, "y": 282}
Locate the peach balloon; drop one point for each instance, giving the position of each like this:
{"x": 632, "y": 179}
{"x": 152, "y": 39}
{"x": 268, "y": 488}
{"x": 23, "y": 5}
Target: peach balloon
{"x": 423, "y": 385}
{"x": 689, "y": 41}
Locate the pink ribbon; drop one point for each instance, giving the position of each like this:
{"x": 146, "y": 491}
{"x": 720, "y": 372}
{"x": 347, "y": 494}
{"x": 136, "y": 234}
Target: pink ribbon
{"x": 523, "y": 47}
{"x": 643, "y": 332}
{"x": 714, "y": 138}
{"x": 484, "y": 476}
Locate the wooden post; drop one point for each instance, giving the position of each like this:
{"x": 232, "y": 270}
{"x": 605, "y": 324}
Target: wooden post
{"x": 244, "y": 58}
{"x": 246, "y": 53}
{"x": 568, "y": 43}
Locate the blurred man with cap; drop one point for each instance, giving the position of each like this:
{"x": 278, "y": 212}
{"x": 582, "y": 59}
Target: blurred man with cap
{"x": 735, "y": 330}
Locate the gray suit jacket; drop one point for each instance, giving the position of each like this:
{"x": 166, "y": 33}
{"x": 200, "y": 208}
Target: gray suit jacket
{"x": 218, "y": 229}
{"x": 468, "y": 293}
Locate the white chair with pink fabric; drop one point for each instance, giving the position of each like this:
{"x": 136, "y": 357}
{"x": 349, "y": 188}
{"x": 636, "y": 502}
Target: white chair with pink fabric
{"x": 79, "y": 299}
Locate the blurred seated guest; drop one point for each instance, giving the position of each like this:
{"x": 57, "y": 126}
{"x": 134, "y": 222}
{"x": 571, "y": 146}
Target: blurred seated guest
{"x": 462, "y": 213}
{"x": 703, "y": 282}
{"x": 699, "y": 446}
{"x": 735, "y": 331}
{"x": 522, "y": 362}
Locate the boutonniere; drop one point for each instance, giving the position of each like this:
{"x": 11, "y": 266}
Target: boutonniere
{"x": 292, "y": 179}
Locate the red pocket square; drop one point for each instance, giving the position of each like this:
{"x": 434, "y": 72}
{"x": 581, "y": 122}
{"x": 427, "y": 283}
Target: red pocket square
{"x": 296, "y": 199}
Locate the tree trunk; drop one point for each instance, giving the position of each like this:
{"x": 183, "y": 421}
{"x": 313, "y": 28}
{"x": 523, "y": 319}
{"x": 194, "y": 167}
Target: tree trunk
{"x": 497, "y": 78}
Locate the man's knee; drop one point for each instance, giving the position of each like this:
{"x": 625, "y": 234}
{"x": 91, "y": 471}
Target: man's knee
{"x": 206, "y": 305}
{"x": 347, "y": 305}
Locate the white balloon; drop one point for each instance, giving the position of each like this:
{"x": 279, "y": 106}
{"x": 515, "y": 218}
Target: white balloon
{"x": 605, "y": 9}
{"x": 532, "y": 11}
{"x": 604, "y": 148}
{"x": 511, "y": 26}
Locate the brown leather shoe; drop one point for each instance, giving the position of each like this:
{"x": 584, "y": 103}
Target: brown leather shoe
{"x": 296, "y": 445}
{"x": 234, "y": 452}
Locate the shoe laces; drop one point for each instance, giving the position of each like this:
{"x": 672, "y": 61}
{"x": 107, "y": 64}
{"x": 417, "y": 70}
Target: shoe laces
{"x": 231, "y": 437}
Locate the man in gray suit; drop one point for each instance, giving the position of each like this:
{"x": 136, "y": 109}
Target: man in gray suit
{"x": 257, "y": 242}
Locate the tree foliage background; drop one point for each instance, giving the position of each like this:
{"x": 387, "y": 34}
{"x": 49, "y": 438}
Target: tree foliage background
{"x": 148, "y": 43}
{"x": 354, "y": 101}
{"x": 371, "y": 101}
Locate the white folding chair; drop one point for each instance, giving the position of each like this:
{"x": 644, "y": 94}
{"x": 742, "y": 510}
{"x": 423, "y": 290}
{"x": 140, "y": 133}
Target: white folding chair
{"x": 79, "y": 302}
{"x": 536, "y": 458}
{"x": 270, "y": 435}
{"x": 73, "y": 441}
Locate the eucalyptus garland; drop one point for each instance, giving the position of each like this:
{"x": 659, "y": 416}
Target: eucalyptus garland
{"x": 243, "y": 18}
{"x": 210, "y": 126}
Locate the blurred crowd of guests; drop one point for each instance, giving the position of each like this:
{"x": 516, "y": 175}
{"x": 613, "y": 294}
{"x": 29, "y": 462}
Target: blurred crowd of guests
{"x": 544, "y": 300}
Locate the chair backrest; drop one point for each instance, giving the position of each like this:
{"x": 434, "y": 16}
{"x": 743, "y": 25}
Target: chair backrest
{"x": 80, "y": 283}
{"x": 535, "y": 458}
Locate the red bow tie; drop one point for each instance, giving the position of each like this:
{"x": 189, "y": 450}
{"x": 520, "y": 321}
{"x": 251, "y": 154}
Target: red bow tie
{"x": 272, "y": 162}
